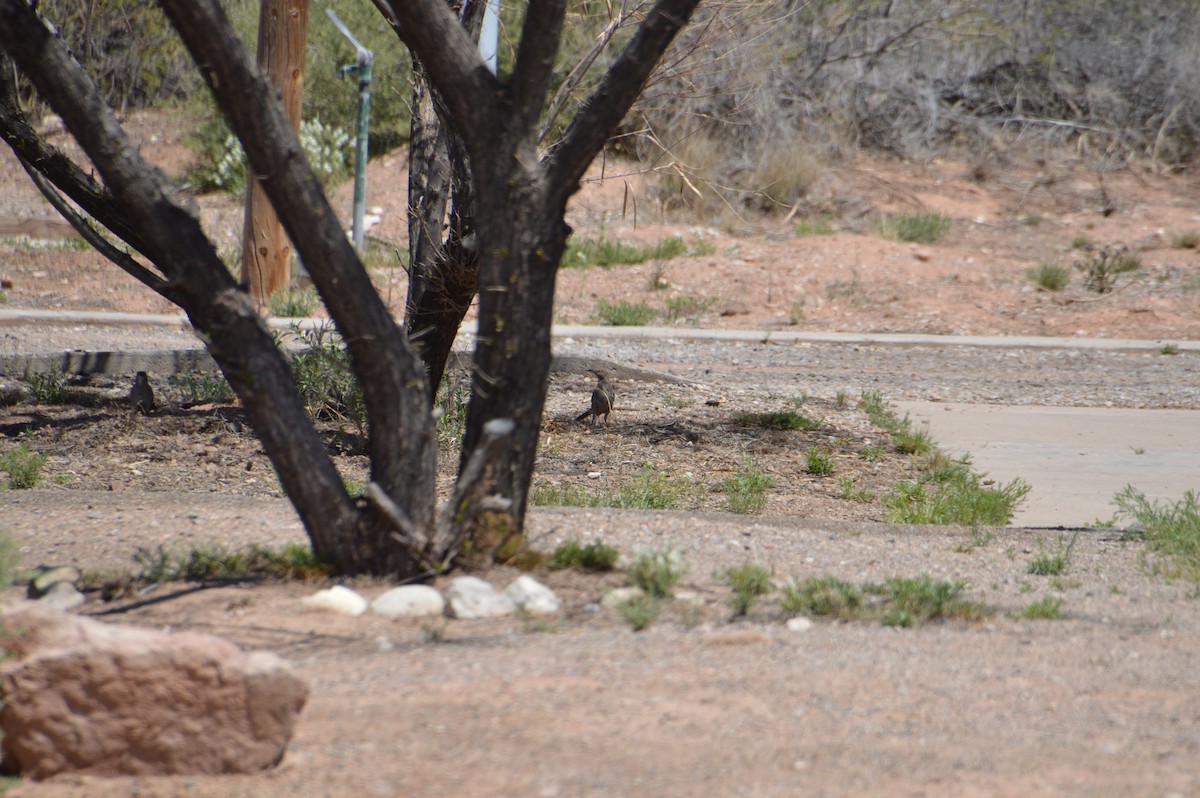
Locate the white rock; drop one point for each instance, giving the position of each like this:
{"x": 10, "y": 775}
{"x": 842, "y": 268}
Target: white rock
{"x": 409, "y": 601}
{"x": 799, "y": 624}
{"x": 532, "y": 596}
{"x": 336, "y": 599}
{"x": 471, "y": 597}
{"x": 618, "y": 596}
{"x": 62, "y": 596}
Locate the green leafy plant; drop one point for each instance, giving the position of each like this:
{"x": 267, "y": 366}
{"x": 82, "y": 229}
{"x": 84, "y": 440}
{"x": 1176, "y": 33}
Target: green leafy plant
{"x": 324, "y": 380}
{"x": 640, "y": 611}
{"x": 1046, "y": 609}
{"x": 1053, "y": 564}
{"x": 819, "y": 226}
{"x": 919, "y": 228}
{"x": 47, "y": 387}
{"x": 657, "y": 572}
{"x": 746, "y": 489}
{"x": 954, "y": 494}
{"x": 848, "y": 491}
{"x": 453, "y": 401}
{"x": 201, "y": 387}
{"x": 24, "y": 467}
{"x": 747, "y": 582}
{"x": 912, "y": 601}
{"x": 294, "y": 304}
{"x": 625, "y": 314}
{"x": 818, "y": 462}
{"x": 1170, "y": 530}
{"x": 1169, "y": 349}
{"x": 329, "y": 150}
{"x": 778, "y": 419}
{"x": 1050, "y": 276}
{"x": 823, "y": 596}
{"x": 595, "y": 556}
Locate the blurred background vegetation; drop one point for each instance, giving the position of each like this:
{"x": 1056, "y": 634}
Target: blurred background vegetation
{"x": 757, "y": 96}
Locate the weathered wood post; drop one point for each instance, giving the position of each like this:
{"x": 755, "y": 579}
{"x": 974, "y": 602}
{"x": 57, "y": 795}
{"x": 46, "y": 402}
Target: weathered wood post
{"x": 266, "y": 251}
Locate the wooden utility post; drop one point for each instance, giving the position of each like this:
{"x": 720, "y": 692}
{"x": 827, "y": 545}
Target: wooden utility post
{"x": 266, "y": 251}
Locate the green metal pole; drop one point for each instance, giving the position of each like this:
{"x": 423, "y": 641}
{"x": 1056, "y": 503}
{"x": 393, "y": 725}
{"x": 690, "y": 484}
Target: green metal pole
{"x": 360, "y": 153}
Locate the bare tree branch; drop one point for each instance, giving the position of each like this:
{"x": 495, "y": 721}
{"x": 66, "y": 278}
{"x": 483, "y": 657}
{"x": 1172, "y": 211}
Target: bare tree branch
{"x": 608, "y": 104}
{"x": 530, "y": 78}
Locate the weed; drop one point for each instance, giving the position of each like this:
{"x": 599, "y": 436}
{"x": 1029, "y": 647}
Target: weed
{"x": 778, "y": 419}
{"x": 912, "y": 441}
{"x": 294, "y": 304}
{"x": 47, "y": 387}
{"x": 640, "y": 611}
{"x": 354, "y": 488}
{"x": 823, "y": 596}
{"x": 1186, "y": 240}
{"x": 813, "y": 227}
{"x": 747, "y": 582}
{"x": 978, "y": 539}
{"x": 606, "y": 252}
{"x": 1170, "y": 529}
{"x": 1102, "y": 266}
{"x": 324, "y": 380}
{"x": 919, "y": 228}
{"x": 1053, "y": 564}
{"x": 909, "y": 602}
{"x": 1050, "y": 276}
{"x": 24, "y": 467}
{"x": 954, "y": 494}
{"x": 657, "y": 572}
{"x": 450, "y": 412}
{"x": 688, "y": 307}
{"x": 649, "y": 490}
{"x": 10, "y": 558}
{"x": 1081, "y": 242}
{"x": 202, "y": 387}
{"x": 1169, "y": 349}
{"x": 873, "y": 405}
{"x": 1047, "y": 609}
{"x": 290, "y": 561}
{"x": 595, "y": 556}
{"x": 565, "y": 495}
{"x": 842, "y": 400}
{"x": 1031, "y": 219}
{"x": 746, "y": 489}
{"x": 796, "y": 313}
{"x": 433, "y": 632}
{"x": 625, "y": 314}
{"x": 872, "y": 453}
{"x": 818, "y": 462}
{"x": 848, "y": 491}
{"x": 327, "y": 147}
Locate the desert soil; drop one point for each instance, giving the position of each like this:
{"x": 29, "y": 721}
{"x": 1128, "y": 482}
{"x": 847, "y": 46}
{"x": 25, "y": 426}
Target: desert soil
{"x": 1102, "y": 702}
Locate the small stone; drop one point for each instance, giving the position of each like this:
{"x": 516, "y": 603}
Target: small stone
{"x": 800, "y": 624}
{"x": 471, "y": 597}
{"x": 409, "y": 601}
{"x": 922, "y": 255}
{"x": 621, "y": 595}
{"x": 336, "y": 599}
{"x": 532, "y": 596}
{"x": 62, "y": 596}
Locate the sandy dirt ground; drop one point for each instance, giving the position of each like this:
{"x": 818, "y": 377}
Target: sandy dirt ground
{"x": 1102, "y": 702}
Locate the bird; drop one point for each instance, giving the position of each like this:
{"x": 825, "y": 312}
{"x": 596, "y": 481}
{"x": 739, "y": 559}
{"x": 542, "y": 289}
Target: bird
{"x": 141, "y": 395}
{"x": 603, "y": 396}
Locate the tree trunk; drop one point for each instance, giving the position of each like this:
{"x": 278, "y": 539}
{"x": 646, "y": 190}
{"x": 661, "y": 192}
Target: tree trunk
{"x": 266, "y": 251}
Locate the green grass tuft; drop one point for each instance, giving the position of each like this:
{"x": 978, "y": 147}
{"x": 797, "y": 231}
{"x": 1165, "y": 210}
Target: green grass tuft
{"x": 594, "y": 557}
{"x": 1049, "y": 276}
{"x": 1170, "y": 530}
{"x": 747, "y": 582}
{"x": 625, "y": 314}
{"x": 918, "y": 228}
{"x": 778, "y": 419}
{"x": 657, "y": 572}
{"x": 818, "y": 462}
{"x": 746, "y": 489}
{"x": 1046, "y": 609}
{"x": 24, "y": 467}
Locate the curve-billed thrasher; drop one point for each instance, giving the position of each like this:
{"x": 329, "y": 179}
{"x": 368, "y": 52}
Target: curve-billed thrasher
{"x": 602, "y": 399}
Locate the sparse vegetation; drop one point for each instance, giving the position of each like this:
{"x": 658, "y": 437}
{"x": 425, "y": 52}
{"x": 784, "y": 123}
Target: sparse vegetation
{"x": 819, "y": 226}
{"x": 1169, "y": 349}
{"x": 657, "y": 572}
{"x": 895, "y": 602}
{"x": 47, "y": 387}
{"x": 951, "y": 492}
{"x": 1053, "y": 564}
{"x": 818, "y": 462}
{"x": 324, "y": 380}
{"x": 640, "y": 611}
{"x": 201, "y": 387}
{"x": 604, "y": 251}
{"x": 687, "y": 307}
{"x": 1050, "y": 276}
{"x": 647, "y": 490}
{"x": 294, "y": 304}
{"x": 24, "y": 467}
{"x": 10, "y": 558}
{"x": 848, "y": 491}
{"x": 625, "y": 314}
{"x": 778, "y": 419}
{"x": 1046, "y": 609}
{"x": 917, "y": 228}
{"x": 595, "y": 556}
{"x": 214, "y": 561}
{"x": 1170, "y": 530}
{"x": 747, "y": 582}
{"x": 1189, "y": 239}
{"x": 796, "y": 313}
{"x": 746, "y": 489}
{"x": 1101, "y": 267}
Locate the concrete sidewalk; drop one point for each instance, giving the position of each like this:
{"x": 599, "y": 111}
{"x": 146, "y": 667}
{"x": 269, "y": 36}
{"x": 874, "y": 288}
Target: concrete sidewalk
{"x": 1075, "y": 458}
